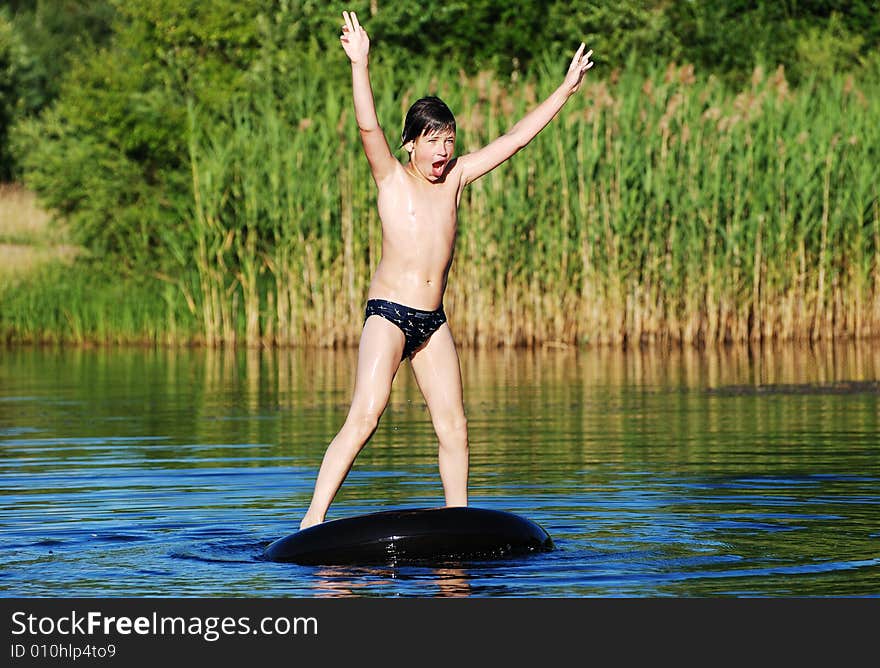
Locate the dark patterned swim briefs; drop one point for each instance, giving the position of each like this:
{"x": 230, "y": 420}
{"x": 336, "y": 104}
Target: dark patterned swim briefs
{"x": 417, "y": 325}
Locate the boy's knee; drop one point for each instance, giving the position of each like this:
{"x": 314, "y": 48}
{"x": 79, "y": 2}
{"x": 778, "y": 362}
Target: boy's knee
{"x": 364, "y": 423}
{"x": 452, "y": 430}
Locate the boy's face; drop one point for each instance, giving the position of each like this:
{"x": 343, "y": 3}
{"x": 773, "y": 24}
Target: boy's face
{"x": 431, "y": 152}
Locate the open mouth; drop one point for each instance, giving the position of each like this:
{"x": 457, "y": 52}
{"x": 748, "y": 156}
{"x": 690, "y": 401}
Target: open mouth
{"x": 438, "y": 167}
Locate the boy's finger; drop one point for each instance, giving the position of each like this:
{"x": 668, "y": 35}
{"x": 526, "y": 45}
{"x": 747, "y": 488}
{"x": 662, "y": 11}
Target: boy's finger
{"x": 347, "y": 18}
{"x": 577, "y": 55}
{"x": 354, "y": 22}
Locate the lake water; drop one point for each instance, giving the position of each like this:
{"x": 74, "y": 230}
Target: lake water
{"x": 723, "y": 473}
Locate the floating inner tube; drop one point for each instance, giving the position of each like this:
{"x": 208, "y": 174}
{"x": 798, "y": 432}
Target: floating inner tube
{"x": 415, "y": 535}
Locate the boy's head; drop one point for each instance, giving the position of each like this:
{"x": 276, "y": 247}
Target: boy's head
{"x": 425, "y": 116}
{"x": 429, "y": 136}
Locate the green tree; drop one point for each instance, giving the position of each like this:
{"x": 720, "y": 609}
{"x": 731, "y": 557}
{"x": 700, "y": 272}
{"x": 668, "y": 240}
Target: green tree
{"x": 13, "y": 65}
{"x": 111, "y": 154}
{"x": 732, "y": 37}
{"x": 39, "y": 39}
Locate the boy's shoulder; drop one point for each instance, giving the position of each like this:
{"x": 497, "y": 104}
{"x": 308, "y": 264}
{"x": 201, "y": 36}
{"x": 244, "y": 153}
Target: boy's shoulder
{"x": 453, "y": 171}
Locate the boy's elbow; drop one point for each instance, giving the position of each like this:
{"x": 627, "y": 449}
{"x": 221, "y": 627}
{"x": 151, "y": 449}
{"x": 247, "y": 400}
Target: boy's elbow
{"x": 518, "y": 138}
{"x": 518, "y": 141}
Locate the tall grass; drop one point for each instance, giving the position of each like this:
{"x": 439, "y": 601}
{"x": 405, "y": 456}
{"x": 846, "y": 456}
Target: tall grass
{"x": 668, "y": 210}
{"x": 87, "y": 306}
{"x": 663, "y": 209}
{"x": 658, "y": 209}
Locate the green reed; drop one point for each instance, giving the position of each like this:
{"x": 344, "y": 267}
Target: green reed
{"x": 58, "y": 304}
{"x": 658, "y": 209}
{"x": 665, "y": 208}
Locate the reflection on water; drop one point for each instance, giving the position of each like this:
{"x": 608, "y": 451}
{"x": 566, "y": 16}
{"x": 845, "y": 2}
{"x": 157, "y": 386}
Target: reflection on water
{"x": 436, "y": 581}
{"x": 717, "y": 473}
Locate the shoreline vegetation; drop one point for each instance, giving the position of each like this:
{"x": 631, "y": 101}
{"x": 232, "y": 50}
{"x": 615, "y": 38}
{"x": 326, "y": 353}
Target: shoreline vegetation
{"x": 661, "y": 209}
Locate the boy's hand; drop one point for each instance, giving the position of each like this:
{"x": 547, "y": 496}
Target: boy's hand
{"x": 578, "y": 68}
{"x": 354, "y": 39}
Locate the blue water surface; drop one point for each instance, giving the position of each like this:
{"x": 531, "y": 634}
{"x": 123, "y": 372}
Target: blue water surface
{"x": 166, "y": 473}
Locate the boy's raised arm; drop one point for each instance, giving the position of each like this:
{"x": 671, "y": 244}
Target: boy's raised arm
{"x": 357, "y": 47}
{"x": 484, "y": 160}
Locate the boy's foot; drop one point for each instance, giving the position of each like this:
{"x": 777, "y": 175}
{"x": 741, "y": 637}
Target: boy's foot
{"x": 308, "y": 522}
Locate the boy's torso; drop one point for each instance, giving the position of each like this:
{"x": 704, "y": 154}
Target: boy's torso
{"x": 419, "y": 224}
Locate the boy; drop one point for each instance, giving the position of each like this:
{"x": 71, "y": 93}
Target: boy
{"x": 404, "y": 317}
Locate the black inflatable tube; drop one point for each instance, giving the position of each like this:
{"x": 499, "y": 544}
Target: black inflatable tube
{"x": 416, "y": 535}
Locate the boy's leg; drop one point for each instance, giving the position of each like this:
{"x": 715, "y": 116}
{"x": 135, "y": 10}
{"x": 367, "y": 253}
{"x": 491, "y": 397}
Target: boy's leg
{"x": 379, "y": 352}
{"x": 438, "y": 373}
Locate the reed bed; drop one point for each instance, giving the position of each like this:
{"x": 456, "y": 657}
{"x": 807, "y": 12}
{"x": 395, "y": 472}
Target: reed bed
{"x": 654, "y": 209}
{"x": 667, "y": 210}
{"x": 90, "y": 306}
{"x": 657, "y": 209}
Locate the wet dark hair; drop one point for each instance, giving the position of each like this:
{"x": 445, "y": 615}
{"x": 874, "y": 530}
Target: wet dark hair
{"x": 430, "y": 114}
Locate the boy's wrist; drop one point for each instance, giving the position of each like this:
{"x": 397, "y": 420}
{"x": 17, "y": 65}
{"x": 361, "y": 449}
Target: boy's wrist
{"x": 564, "y": 92}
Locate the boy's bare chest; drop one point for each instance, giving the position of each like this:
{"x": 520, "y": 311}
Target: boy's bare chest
{"x": 436, "y": 207}
{"x": 418, "y": 208}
